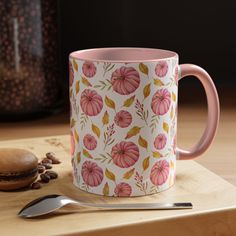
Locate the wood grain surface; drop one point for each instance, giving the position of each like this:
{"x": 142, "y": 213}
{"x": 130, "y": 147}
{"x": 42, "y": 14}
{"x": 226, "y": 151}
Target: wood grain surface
{"x": 213, "y": 198}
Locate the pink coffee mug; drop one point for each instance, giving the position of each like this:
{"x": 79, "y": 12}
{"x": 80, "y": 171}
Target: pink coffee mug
{"x": 124, "y": 119}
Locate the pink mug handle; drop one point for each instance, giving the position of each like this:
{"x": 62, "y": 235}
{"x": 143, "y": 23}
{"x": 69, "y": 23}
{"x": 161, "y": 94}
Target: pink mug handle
{"x": 213, "y": 111}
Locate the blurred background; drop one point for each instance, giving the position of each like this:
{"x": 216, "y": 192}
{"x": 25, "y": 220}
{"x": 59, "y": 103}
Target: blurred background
{"x": 36, "y": 37}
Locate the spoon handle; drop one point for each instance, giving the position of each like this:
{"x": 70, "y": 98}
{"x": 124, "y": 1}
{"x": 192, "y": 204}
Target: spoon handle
{"x": 140, "y": 206}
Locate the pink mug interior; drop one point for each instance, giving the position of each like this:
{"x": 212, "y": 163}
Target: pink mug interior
{"x": 125, "y": 55}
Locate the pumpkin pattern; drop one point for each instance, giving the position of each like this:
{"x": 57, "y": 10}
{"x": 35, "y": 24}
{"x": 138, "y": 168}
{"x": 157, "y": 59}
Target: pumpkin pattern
{"x": 123, "y": 119}
{"x": 125, "y": 154}
{"x": 160, "y": 172}
{"x": 90, "y": 142}
{"x": 123, "y": 190}
{"x": 92, "y": 174}
{"x": 160, "y": 141}
{"x": 89, "y": 69}
{"x": 123, "y": 130}
{"x": 161, "y": 102}
{"x": 91, "y": 102}
{"x": 161, "y": 68}
{"x": 125, "y": 80}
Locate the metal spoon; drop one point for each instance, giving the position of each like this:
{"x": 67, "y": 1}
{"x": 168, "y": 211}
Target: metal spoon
{"x": 49, "y": 203}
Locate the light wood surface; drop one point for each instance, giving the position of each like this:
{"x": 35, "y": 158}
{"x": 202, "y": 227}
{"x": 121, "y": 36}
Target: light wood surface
{"x": 220, "y": 158}
{"x": 213, "y": 198}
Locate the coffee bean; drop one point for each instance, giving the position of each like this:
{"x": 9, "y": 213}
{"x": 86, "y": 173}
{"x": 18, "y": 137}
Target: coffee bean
{"x": 52, "y": 156}
{"x": 47, "y": 165}
{"x": 45, "y": 178}
{"x": 46, "y": 160}
{"x": 52, "y": 174}
{"x": 56, "y": 161}
{"x": 35, "y": 185}
{"x": 41, "y": 168}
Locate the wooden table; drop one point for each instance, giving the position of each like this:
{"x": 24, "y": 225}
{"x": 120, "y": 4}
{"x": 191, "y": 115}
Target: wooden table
{"x": 213, "y": 198}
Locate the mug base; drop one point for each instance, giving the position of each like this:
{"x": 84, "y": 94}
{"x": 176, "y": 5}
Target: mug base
{"x": 156, "y": 190}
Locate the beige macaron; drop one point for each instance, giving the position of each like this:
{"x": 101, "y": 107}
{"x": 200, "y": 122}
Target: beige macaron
{"x": 18, "y": 168}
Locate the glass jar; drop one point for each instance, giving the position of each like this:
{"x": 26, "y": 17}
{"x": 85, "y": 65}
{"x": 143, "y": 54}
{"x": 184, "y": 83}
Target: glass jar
{"x": 29, "y": 61}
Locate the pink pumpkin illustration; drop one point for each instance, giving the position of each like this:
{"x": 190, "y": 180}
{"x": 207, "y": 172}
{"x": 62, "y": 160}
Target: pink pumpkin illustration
{"x": 161, "y": 68}
{"x": 123, "y": 190}
{"x": 91, "y": 173}
{"x": 71, "y": 74}
{"x": 90, "y": 142}
{"x": 125, "y": 154}
{"x": 160, "y": 172}
{"x": 161, "y": 101}
{"x": 72, "y": 143}
{"x": 91, "y": 102}
{"x": 123, "y": 119}
{"x": 160, "y": 141}
{"x": 125, "y": 80}
{"x": 89, "y": 69}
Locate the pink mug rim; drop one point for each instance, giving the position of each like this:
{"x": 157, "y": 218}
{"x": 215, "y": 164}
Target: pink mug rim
{"x": 128, "y": 55}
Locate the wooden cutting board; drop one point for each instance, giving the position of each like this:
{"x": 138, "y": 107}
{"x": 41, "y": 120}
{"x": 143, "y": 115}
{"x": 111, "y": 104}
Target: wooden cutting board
{"x": 214, "y": 201}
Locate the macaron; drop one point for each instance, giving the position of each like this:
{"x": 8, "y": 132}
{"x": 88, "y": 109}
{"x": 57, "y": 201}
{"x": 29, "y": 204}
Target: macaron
{"x": 18, "y": 168}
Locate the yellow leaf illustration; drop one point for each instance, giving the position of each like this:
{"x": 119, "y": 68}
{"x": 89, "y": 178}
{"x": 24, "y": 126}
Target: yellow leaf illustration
{"x": 87, "y": 154}
{"x": 142, "y": 142}
{"x": 172, "y": 164}
{"x": 72, "y": 122}
{"x": 156, "y": 154}
{"x": 110, "y": 175}
{"x": 76, "y": 135}
{"x": 75, "y": 65}
{"x": 105, "y": 190}
{"x": 78, "y": 157}
{"x": 133, "y": 131}
{"x": 128, "y": 102}
{"x": 173, "y": 96}
{"x": 171, "y": 113}
{"x": 165, "y": 127}
{"x": 146, "y": 163}
{"x": 77, "y": 86}
{"x": 158, "y": 82}
{"x": 96, "y": 130}
{"x": 86, "y": 82}
{"x": 143, "y": 68}
{"x": 105, "y": 118}
{"x": 128, "y": 174}
{"x": 110, "y": 103}
{"x": 146, "y": 91}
